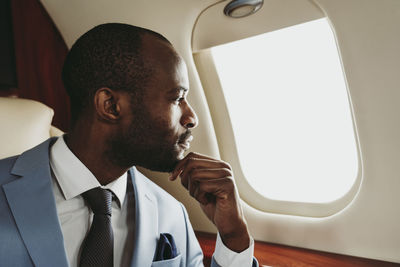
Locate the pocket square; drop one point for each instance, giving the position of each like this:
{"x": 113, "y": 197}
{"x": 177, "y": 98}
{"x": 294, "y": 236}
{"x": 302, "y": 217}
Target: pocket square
{"x": 166, "y": 248}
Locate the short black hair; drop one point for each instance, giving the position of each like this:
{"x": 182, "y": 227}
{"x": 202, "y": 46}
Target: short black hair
{"x": 109, "y": 55}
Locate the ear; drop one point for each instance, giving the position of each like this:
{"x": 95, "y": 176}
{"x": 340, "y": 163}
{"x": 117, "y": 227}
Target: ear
{"x": 106, "y": 102}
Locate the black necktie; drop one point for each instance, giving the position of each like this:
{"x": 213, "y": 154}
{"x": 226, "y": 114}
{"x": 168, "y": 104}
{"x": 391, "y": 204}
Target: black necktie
{"x": 97, "y": 249}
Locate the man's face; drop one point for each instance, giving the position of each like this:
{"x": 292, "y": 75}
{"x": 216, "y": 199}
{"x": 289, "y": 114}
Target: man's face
{"x": 157, "y": 133}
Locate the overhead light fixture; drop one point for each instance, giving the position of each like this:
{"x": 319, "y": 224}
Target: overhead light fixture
{"x": 242, "y": 8}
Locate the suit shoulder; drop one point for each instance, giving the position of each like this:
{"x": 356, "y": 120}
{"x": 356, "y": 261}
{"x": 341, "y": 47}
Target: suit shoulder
{"x": 6, "y": 166}
{"x": 8, "y": 161}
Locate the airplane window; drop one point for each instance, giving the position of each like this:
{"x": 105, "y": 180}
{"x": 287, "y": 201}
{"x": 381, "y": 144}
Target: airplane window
{"x": 290, "y": 112}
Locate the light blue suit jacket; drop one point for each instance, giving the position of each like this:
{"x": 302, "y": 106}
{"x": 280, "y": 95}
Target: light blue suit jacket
{"x": 30, "y": 232}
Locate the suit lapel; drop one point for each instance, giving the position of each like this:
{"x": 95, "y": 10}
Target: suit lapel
{"x": 32, "y": 204}
{"x": 146, "y": 221}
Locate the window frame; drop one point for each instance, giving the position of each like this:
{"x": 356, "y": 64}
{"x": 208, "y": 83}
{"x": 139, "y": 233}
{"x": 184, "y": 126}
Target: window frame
{"x": 225, "y": 137}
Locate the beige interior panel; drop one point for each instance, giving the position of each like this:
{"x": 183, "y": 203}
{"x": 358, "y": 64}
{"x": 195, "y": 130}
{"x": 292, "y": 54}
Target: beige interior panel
{"x": 214, "y": 28}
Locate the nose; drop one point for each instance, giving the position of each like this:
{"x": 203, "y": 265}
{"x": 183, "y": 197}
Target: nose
{"x": 189, "y": 117}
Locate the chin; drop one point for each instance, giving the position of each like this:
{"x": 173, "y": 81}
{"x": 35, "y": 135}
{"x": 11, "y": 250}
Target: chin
{"x": 164, "y": 164}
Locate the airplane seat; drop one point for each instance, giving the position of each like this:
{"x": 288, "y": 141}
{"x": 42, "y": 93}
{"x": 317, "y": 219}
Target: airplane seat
{"x": 24, "y": 124}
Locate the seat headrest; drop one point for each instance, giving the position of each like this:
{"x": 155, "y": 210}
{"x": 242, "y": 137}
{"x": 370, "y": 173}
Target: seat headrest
{"x": 24, "y": 124}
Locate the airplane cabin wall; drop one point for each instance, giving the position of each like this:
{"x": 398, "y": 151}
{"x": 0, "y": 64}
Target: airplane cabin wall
{"x": 368, "y": 39}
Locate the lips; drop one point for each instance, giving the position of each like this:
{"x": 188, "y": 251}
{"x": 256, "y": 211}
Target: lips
{"x": 185, "y": 143}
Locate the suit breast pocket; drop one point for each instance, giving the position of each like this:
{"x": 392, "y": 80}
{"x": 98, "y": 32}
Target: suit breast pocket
{"x": 175, "y": 262}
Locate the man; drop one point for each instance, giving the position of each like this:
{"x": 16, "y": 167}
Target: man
{"x": 77, "y": 201}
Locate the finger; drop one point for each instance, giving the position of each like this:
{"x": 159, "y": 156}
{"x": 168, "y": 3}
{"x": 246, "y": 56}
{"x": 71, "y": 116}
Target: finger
{"x": 195, "y": 163}
{"x": 202, "y": 197}
{"x": 211, "y": 190}
{"x": 195, "y": 160}
{"x": 199, "y": 177}
{"x": 188, "y": 177}
{"x": 179, "y": 166}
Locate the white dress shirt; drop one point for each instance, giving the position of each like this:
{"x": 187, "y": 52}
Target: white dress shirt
{"x": 71, "y": 178}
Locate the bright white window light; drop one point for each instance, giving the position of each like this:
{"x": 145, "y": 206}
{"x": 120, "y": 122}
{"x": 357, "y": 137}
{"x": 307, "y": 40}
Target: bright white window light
{"x": 290, "y": 112}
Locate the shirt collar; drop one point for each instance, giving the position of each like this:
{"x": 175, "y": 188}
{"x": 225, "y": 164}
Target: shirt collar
{"x": 75, "y": 178}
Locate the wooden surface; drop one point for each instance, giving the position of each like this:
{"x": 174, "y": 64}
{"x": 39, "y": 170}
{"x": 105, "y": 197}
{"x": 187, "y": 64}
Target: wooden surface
{"x": 269, "y": 254}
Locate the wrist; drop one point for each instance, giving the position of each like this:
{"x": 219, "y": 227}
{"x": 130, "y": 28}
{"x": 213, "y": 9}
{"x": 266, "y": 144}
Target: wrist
{"x": 236, "y": 241}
